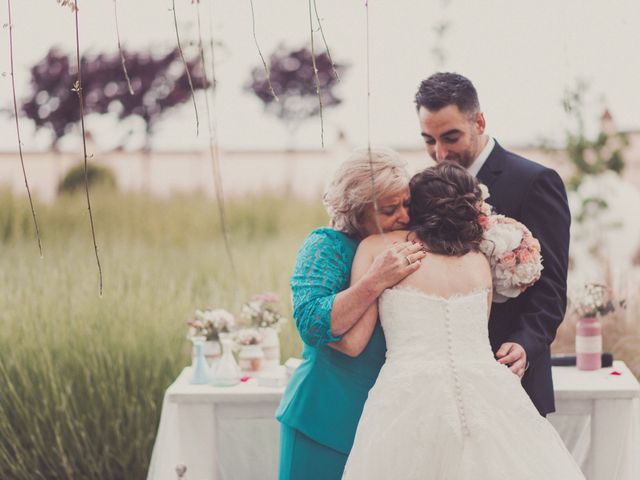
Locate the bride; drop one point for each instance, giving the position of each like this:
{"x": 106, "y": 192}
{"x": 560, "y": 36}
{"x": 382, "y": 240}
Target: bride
{"x": 442, "y": 407}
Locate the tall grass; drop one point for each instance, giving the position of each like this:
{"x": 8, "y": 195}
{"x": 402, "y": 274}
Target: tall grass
{"x": 82, "y": 377}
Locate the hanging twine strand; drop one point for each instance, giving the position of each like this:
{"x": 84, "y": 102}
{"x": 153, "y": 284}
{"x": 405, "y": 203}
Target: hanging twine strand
{"x": 186, "y": 66}
{"x": 78, "y": 89}
{"x": 15, "y": 110}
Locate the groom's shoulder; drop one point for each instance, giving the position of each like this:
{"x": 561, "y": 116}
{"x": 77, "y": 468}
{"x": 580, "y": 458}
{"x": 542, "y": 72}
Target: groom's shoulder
{"x": 520, "y": 165}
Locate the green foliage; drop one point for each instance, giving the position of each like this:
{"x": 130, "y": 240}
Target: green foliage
{"x": 96, "y": 175}
{"x": 590, "y": 156}
{"x": 82, "y": 376}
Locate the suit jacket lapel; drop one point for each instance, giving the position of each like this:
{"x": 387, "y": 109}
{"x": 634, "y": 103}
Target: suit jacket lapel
{"x": 492, "y": 168}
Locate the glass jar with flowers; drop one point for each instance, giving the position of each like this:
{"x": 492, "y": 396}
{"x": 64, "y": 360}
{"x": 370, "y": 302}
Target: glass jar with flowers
{"x": 210, "y": 323}
{"x": 590, "y": 302}
{"x": 262, "y": 313}
{"x": 251, "y": 355}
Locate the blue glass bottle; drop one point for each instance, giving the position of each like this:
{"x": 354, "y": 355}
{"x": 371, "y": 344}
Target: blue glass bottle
{"x": 201, "y": 373}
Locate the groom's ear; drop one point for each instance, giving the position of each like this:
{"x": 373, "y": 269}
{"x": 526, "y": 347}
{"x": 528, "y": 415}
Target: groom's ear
{"x": 480, "y": 123}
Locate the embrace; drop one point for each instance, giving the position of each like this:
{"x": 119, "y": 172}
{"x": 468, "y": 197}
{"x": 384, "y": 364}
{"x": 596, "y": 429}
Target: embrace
{"x": 410, "y": 370}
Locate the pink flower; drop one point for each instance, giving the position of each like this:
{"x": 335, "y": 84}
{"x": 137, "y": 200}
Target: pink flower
{"x": 513, "y": 253}
{"x": 268, "y": 297}
{"x": 508, "y": 259}
{"x": 525, "y": 256}
{"x": 484, "y": 221}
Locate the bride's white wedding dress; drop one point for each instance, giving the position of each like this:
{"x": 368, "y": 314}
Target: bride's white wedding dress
{"x": 443, "y": 408}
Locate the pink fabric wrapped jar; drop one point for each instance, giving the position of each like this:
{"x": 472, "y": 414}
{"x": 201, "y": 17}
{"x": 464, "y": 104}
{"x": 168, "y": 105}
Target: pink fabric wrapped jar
{"x": 589, "y": 343}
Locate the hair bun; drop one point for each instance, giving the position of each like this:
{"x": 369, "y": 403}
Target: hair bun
{"x": 444, "y": 209}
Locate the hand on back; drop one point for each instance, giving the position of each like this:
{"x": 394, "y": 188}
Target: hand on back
{"x": 394, "y": 263}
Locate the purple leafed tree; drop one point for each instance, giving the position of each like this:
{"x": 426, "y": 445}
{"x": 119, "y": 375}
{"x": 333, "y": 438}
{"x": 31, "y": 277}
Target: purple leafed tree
{"x": 159, "y": 83}
{"x": 292, "y": 78}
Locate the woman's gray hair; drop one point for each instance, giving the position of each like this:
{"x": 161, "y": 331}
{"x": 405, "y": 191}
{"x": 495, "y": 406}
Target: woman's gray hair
{"x": 351, "y": 190}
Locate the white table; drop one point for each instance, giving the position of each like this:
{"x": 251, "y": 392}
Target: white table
{"x": 231, "y": 433}
{"x": 598, "y": 417}
{"x": 218, "y": 433}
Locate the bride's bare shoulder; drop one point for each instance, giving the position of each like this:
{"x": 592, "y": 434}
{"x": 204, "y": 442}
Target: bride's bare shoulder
{"x": 380, "y": 241}
{"x": 478, "y": 262}
{"x": 477, "y": 257}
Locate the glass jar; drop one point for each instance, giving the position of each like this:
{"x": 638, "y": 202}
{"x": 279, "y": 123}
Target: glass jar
{"x": 589, "y": 343}
{"x": 251, "y": 358}
{"x": 226, "y": 372}
{"x": 270, "y": 347}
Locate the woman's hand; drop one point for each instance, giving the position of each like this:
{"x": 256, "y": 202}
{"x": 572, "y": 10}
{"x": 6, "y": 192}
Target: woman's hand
{"x": 393, "y": 264}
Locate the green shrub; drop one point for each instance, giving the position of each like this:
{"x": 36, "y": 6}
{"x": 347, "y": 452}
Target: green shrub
{"x": 96, "y": 175}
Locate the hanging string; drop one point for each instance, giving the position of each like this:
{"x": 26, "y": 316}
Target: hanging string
{"x": 213, "y": 141}
{"x": 315, "y": 75}
{"x": 78, "y": 89}
{"x": 124, "y": 65}
{"x": 373, "y": 183}
{"x": 264, "y": 64}
{"x": 186, "y": 67}
{"x": 15, "y": 111}
{"x": 324, "y": 40}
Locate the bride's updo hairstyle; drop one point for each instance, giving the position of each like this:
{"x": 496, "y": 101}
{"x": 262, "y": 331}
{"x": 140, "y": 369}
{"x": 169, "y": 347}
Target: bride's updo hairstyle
{"x": 444, "y": 209}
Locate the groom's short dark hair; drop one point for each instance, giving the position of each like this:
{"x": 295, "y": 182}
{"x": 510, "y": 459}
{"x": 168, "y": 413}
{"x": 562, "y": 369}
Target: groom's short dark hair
{"x": 445, "y": 88}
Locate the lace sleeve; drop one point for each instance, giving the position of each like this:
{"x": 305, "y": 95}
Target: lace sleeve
{"x": 322, "y": 270}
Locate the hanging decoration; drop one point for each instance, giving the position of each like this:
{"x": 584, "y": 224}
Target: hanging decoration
{"x": 78, "y": 89}
{"x": 122, "y": 59}
{"x": 186, "y": 66}
{"x": 255, "y": 39}
{"x": 214, "y": 151}
{"x": 15, "y": 111}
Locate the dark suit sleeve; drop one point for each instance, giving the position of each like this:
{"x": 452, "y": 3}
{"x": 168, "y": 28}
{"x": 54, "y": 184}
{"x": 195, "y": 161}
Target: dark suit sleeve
{"x": 545, "y": 212}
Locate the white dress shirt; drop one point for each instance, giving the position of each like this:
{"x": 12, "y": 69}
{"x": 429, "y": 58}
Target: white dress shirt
{"x": 477, "y": 164}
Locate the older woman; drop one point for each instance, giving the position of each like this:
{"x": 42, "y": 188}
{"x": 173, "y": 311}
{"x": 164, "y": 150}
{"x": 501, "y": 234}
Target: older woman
{"x": 323, "y": 402}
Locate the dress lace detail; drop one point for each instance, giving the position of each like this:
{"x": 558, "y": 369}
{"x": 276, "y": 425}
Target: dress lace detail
{"x": 452, "y": 297}
{"x": 322, "y": 270}
{"x": 443, "y": 408}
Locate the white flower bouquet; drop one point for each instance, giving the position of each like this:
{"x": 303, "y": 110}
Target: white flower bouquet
{"x": 593, "y": 300}
{"x": 211, "y": 323}
{"x": 261, "y": 311}
{"x": 247, "y": 336}
{"x": 513, "y": 252}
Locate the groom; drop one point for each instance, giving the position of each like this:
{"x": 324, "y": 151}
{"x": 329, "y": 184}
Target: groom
{"x": 522, "y": 329}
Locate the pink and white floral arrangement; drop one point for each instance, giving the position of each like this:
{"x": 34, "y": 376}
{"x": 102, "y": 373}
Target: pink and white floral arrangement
{"x": 247, "y": 336}
{"x": 262, "y": 312}
{"x": 594, "y": 300}
{"x": 513, "y": 252}
{"x": 210, "y": 323}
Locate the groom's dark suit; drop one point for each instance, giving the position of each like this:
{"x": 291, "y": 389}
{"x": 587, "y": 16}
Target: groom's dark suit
{"x": 535, "y": 196}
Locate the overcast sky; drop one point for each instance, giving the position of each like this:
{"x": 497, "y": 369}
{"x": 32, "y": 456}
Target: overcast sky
{"x": 521, "y": 55}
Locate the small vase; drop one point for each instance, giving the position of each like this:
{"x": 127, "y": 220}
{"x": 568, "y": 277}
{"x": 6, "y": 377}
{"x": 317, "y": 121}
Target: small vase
{"x": 226, "y": 372}
{"x": 589, "y": 344}
{"x": 270, "y": 347}
{"x": 251, "y": 358}
{"x": 201, "y": 372}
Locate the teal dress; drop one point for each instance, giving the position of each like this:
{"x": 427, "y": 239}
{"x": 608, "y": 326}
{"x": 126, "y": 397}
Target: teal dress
{"x": 322, "y": 404}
